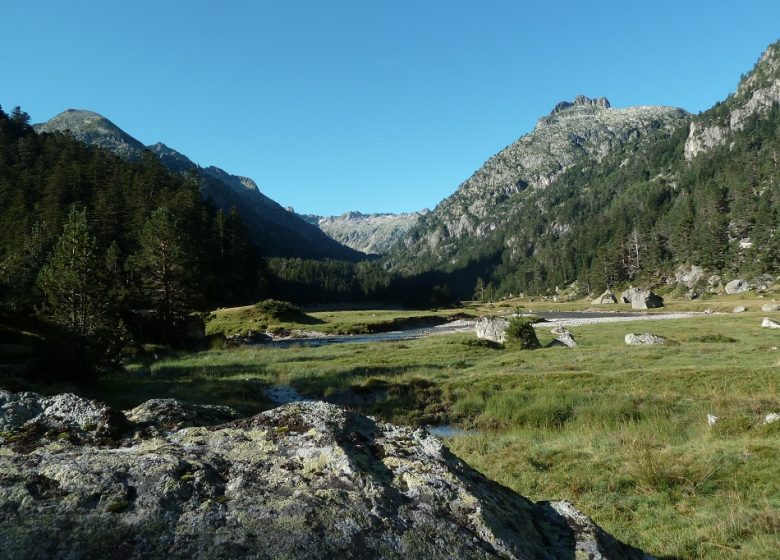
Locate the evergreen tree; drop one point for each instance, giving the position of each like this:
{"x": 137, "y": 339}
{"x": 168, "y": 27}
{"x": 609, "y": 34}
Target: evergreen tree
{"x": 163, "y": 268}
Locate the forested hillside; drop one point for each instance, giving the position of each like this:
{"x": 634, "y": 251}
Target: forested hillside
{"x": 109, "y": 250}
{"x": 623, "y": 213}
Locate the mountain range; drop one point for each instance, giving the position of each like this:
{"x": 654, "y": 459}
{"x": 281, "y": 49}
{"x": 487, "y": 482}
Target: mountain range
{"x": 276, "y": 231}
{"x": 593, "y": 193}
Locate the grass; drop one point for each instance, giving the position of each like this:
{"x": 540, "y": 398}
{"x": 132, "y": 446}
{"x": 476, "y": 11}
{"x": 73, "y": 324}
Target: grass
{"x": 619, "y": 431}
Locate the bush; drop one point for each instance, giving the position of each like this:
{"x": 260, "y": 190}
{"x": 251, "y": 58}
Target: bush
{"x": 521, "y": 331}
{"x": 278, "y": 309}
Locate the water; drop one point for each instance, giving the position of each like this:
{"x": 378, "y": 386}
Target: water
{"x": 448, "y": 431}
{"x": 552, "y": 319}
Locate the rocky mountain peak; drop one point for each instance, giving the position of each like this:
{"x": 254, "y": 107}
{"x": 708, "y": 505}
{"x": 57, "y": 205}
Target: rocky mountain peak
{"x": 581, "y": 101}
{"x": 93, "y": 128}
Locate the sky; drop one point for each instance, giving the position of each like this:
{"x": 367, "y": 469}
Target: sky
{"x": 371, "y": 105}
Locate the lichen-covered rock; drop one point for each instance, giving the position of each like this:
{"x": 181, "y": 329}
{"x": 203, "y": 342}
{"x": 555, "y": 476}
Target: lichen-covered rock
{"x": 305, "y": 480}
{"x": 642, "y": 299}
{"x": 63, "y": 415}
{"x": 492, "y": 328}
{"x": 173, "y": 414}
{"x": 644, "y": 339}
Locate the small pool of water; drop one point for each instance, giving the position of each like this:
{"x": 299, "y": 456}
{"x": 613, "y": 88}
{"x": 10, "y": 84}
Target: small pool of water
{"x": 448, "y": 431}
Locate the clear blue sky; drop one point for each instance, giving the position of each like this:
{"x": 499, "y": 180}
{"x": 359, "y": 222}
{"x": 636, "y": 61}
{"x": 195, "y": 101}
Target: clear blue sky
{"x": 364, "y": 105}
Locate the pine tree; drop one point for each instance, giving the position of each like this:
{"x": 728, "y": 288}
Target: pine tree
{"x": 163, "y": 268}
{"x": 73, "y": 282}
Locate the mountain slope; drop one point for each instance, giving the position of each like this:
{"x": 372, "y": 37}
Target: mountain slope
{"x": 586, "y": 130}
{"x": 607, "y": 196}
{"x": 369, "y": 233}
{"x": 275, "y": 230}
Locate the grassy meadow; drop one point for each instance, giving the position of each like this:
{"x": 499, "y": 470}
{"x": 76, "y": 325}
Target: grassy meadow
{"x": 620, "y": 431}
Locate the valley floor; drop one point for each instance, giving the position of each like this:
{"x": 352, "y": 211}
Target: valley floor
{"x": 620, "y": 431}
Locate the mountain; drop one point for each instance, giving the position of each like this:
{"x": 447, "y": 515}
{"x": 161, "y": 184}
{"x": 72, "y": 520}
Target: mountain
{"x": 275, "y": 230}
{"x": 373, "y": 234}
{"x": 583, "y": 130}
{"x": 605, "y": 196}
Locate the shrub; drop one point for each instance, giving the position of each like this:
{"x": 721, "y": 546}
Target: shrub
{"x": 521, "y": 331}
{"x": 278, "y": 309}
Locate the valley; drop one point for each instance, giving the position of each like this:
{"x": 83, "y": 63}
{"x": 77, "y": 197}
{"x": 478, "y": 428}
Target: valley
{"x": 589, "y": 320}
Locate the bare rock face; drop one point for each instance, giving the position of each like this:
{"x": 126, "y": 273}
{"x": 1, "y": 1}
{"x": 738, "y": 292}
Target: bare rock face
{"x": 737, "y": 286}
{"x": 642, "y": 299}
{"x": 607, "y": 297}
{"x": 492, "y": 328}
{"x": 644, "y": 339}
{"x": 305, "y": 480}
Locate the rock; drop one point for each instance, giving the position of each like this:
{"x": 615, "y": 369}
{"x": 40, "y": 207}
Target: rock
{"x": 737, "y": 286}
{"x": 646, "y": 339}
{"x": 641, "y": 299}
{"x": 768, "y": 307}
{"x": 770, "y": 324}
{"x": 711, "y": 419}
{"x": 305, "y": 480}
{"x": 761, "y": 283}
{"x": 689, "y": 275}
{"x": 714, "y": 280}
{"x": 61, "y": 415}
{"x": 605, "y": 298}
{"x": 172, "y": 414}
{"x": 492, "y": 328}
{"x": 771, "y": 418}
{"x": 563, "y": 337}
{"x": 739, "y": 309}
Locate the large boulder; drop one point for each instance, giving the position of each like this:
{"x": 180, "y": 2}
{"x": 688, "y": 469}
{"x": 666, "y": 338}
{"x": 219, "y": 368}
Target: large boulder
{"x": 644, "y": 339}
{"x": 492, "y": 328}
{"x": 689, "y": 275}
{"x": 563, "y": 337}
{"x": 737, "y": 286}
{"x": 768, "y": 323}
{"x": 768, "y": 307}
{"x": 305, "y": 480}
{"x": 605, "y": 298}
{"x": 642, "y": 299}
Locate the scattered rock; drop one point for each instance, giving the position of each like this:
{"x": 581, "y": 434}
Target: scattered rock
{"x": 770, "y": 324}
{"x": 305, "y": 480}
{"x": 711, "y": 419}
{"x": 761, "y": 283}
{"x": 492, "y": 328}
{"x": 771, "y": 418}
{"x": 641, "y": 299}
{"x": 714, "y": 280}
{"x": 172, "y": 414}
{"x": 689, "y": 275}
{"x": 563, "y": 337}
{"x": 248, "y": 337}
{"x": 607, "y": 297}
{"x": 769, "y": 307}
{"x": 646, "y": 339}
{"x": 737, "y": 286}
{"x": 66, "y": 413}
{"x": 739, "y": 309}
